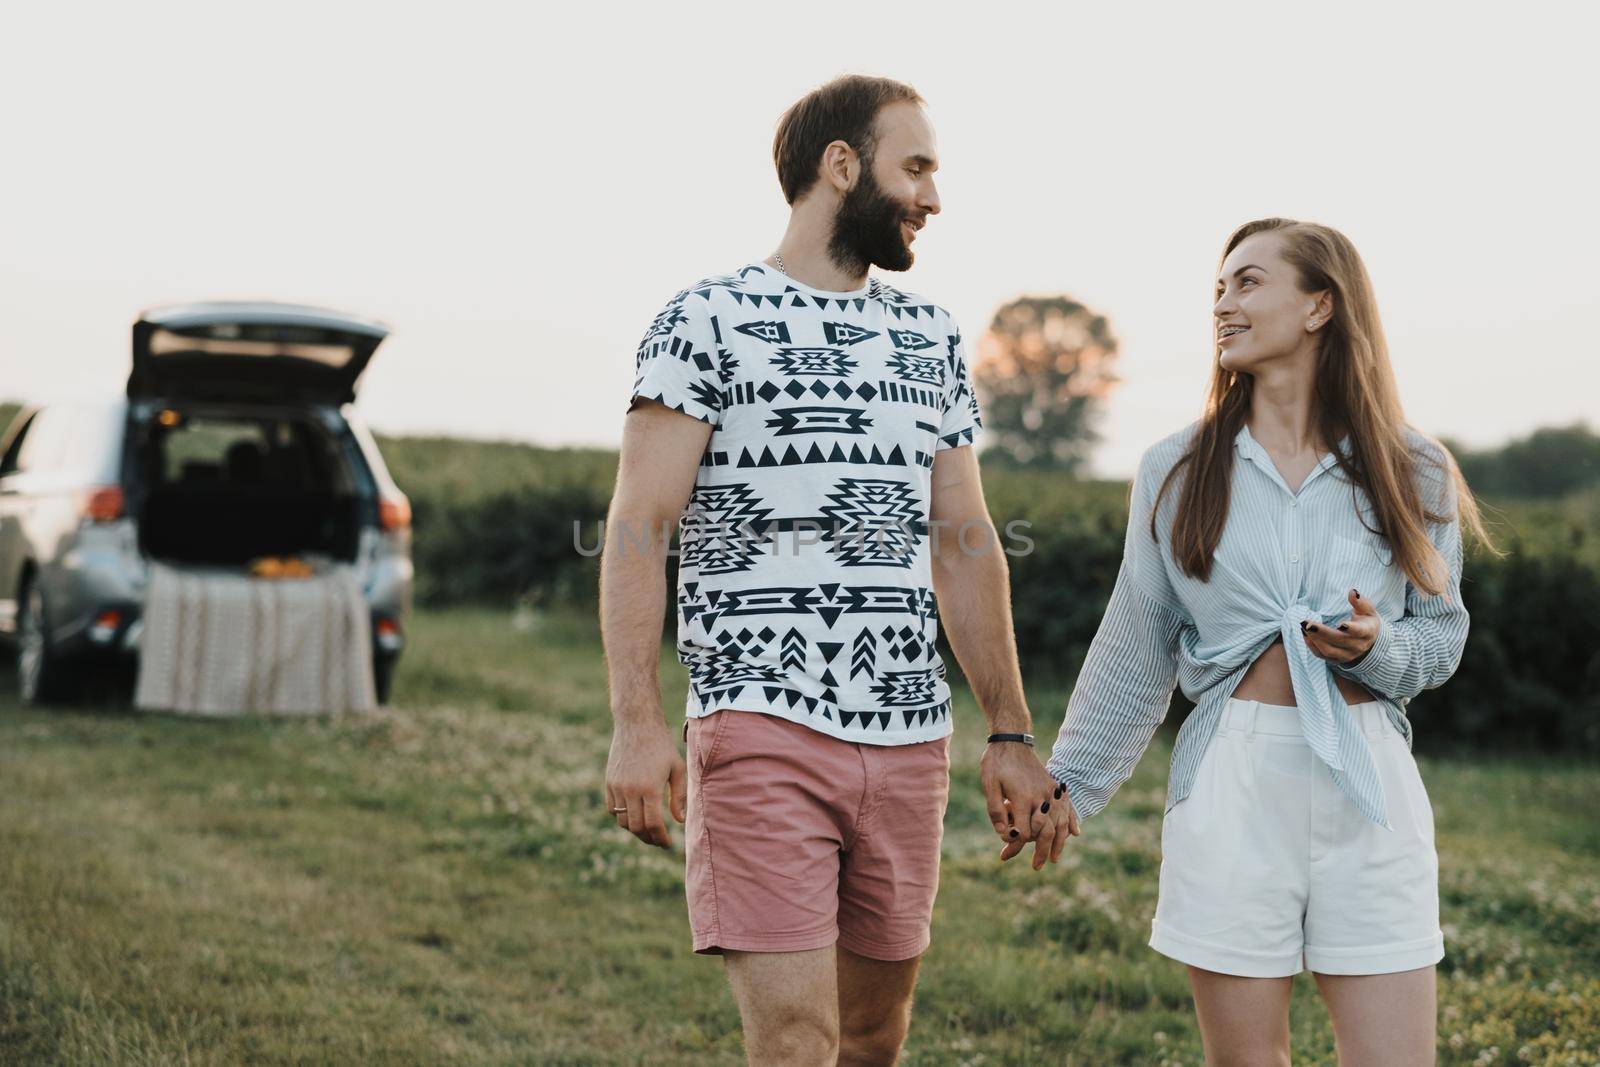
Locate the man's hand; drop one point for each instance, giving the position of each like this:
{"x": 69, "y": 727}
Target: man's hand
{"x": 643, "y": 757}
{"x": 1025, "y": 803}
{"x": 1349, "y": 640}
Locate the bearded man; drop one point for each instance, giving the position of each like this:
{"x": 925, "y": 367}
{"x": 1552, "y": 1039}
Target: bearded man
{"x": 811, "y": 430}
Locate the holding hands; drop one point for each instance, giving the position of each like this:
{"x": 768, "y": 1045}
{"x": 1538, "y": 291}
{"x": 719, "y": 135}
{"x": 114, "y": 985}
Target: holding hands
{"x": 1026, "y": 803}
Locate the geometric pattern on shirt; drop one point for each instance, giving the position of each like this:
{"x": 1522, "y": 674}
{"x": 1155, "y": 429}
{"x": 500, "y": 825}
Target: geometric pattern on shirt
{"x": 837, "y": 454}
{"x": 816, "y": 361}
{"x": 656, "y": 345}
{"x": 911, "y": 394}
{"x": 907, "y": 644}
{"x": 864, "y": 654}
{"x": 728, "y": 666}
{"x": 666, "y": 320}
{"x": 963, "y": 393}
{"x": 757, "y": 299}
{"x": 775, "y": 332}
{"x": 899, "y": 689}
{"x": 923, "y": 716}
{"x": 818, "y": 419}
{"x": 719, "y": 676}
{"x": 748, "y": 393}
{"x": 959, "y": 438}
{"x": 872, "y": 522}
{"x": 747, "y": 648}
{"x": 926, "y": 369}
{"x": 899, "y": 304}
{"x": 826, "y": 601}
{"x": 911, "y": 340}
{"x": 792, "y": 383}
{"x": 731, "y": 282}
{"x": 716, "y": 528}
{"x": 845, "y": 333}
{"x": 711, "y": 691}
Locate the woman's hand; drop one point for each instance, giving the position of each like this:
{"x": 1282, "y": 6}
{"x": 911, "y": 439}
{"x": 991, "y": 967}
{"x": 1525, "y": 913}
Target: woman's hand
{"x": 1347, "y": 641}
{"x": 1020, "y": 792}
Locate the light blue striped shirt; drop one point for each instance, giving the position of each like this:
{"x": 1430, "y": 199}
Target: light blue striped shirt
{"x": 1284, "y": 556}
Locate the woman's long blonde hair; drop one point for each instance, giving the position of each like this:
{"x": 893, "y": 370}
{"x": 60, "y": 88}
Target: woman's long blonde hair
{"x": 1355, "y": 393}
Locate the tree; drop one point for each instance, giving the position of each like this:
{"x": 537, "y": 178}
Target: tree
{"x": 1550, "y": 462}
{"x": 1044, "y": 370}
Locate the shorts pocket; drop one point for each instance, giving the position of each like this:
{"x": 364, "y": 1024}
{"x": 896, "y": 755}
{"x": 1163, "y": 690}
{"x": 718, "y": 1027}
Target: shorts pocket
{"x": 1193, "y": 821}
{"x": 1416, "y": 792}
{"x": 705, "y": 739}
{"x": 1205, "y": 845}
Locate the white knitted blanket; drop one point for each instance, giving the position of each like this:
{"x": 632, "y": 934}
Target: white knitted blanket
{"x": 219, "y": 642}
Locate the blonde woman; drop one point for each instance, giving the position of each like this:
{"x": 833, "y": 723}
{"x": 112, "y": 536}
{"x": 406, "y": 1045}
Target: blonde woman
{"x": 1293, "y": 560}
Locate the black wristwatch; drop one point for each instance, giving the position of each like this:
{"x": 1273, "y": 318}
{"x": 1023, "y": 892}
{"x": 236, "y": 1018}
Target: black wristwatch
{"x": 1026, "y": 739}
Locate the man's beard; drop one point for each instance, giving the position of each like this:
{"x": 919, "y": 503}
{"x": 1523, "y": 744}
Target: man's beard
{"x": 866, "y": 229}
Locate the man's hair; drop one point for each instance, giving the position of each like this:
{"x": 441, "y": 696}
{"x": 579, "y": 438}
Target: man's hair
{"x": 846, "y": 109}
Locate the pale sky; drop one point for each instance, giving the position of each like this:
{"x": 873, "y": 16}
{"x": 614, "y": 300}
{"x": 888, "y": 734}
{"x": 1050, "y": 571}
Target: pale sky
{"x": 517, "y": 192}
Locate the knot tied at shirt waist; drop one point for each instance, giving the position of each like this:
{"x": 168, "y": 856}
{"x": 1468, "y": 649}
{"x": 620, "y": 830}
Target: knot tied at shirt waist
{"x": 1315, "y": 689}
{"x": 1330, "y": 730}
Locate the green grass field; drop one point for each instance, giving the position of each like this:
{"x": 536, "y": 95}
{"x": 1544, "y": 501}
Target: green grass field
{"x": 439, "y": 883}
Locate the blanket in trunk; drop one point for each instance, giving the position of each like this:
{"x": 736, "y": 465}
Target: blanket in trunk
{"x": 218, "y": 642}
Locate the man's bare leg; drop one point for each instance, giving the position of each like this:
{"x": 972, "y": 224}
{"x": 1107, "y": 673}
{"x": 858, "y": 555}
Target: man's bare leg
{"x": 874, "y": 1008}
{"x": 788, "y": 1004}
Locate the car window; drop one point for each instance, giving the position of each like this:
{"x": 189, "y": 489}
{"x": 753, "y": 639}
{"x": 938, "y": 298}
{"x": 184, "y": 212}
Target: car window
{"x": 9, "y": 462}
{"x": 79, "y": 441}
{"x": 43, "y": 442}
{"x": 90, "y": 446}
{"x": 198, "y": 450}
{"x": 201, "y": 451}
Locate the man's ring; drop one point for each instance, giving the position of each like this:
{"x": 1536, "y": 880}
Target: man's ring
{"x": 619, "y": 809}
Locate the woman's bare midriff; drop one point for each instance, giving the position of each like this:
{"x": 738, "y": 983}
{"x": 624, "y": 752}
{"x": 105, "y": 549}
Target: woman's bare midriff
{"x": 1267, "y": 680}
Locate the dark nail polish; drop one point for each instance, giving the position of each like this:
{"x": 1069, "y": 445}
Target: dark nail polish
{"x": 1313, "y": 628}
{"x": 1059, "y": 790}
{"x": 1014, "y": 833}
{"x": 1044, "y": 807}
{"x": 1302, "y": 624}
{"x": 1358, "y": 594}
{"x": 1343, "y": 628}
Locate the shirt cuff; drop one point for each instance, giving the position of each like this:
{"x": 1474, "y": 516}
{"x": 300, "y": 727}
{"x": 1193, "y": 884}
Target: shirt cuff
{"x": 1083, "y": 809}
{"x": 1375, "y": 658}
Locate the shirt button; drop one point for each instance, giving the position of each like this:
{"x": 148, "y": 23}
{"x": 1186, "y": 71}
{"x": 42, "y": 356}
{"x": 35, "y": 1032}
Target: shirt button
{"x": 1294, "y": 559}
{"x": 1294, "y": 503}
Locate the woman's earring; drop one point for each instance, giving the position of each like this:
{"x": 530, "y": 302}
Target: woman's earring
{"x": 1312, "y": 325}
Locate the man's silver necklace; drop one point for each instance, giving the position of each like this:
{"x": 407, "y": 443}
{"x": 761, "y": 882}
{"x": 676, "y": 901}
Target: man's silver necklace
{"x": 777, "y": 261}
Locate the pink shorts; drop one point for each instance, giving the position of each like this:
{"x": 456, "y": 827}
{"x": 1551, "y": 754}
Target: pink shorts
{"x": 797, "y": 840}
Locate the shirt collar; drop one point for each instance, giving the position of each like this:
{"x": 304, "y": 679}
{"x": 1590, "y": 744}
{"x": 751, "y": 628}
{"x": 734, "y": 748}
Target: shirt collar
{"x": 1247, "y": 446}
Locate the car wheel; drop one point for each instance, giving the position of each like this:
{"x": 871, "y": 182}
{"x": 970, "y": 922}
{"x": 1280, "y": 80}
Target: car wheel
{"x": 39, "y": 674}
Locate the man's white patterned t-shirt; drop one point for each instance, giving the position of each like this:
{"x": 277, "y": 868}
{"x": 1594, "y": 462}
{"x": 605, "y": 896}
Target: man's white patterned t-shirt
{"x": 805, "y": 579}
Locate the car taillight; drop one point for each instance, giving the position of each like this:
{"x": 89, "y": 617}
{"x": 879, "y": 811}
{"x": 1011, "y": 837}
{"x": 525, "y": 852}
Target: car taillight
{"x": 104, "y": 627}
{"x": 394, "y": 512}
{"x": 103, "y": 504}
{"x": 387, "y": 631}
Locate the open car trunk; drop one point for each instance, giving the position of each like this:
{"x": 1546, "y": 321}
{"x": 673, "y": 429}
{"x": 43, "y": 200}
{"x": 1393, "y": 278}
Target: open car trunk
{"x": 223, "y": 487}
{"x": 251, "y": 350}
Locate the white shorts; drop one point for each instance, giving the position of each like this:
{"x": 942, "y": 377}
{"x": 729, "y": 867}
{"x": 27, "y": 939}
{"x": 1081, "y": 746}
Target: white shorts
{"x": 1266, "y": 864}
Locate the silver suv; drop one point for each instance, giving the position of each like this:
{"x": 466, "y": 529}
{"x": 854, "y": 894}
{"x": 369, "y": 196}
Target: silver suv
{"x": 236, "y": 439}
